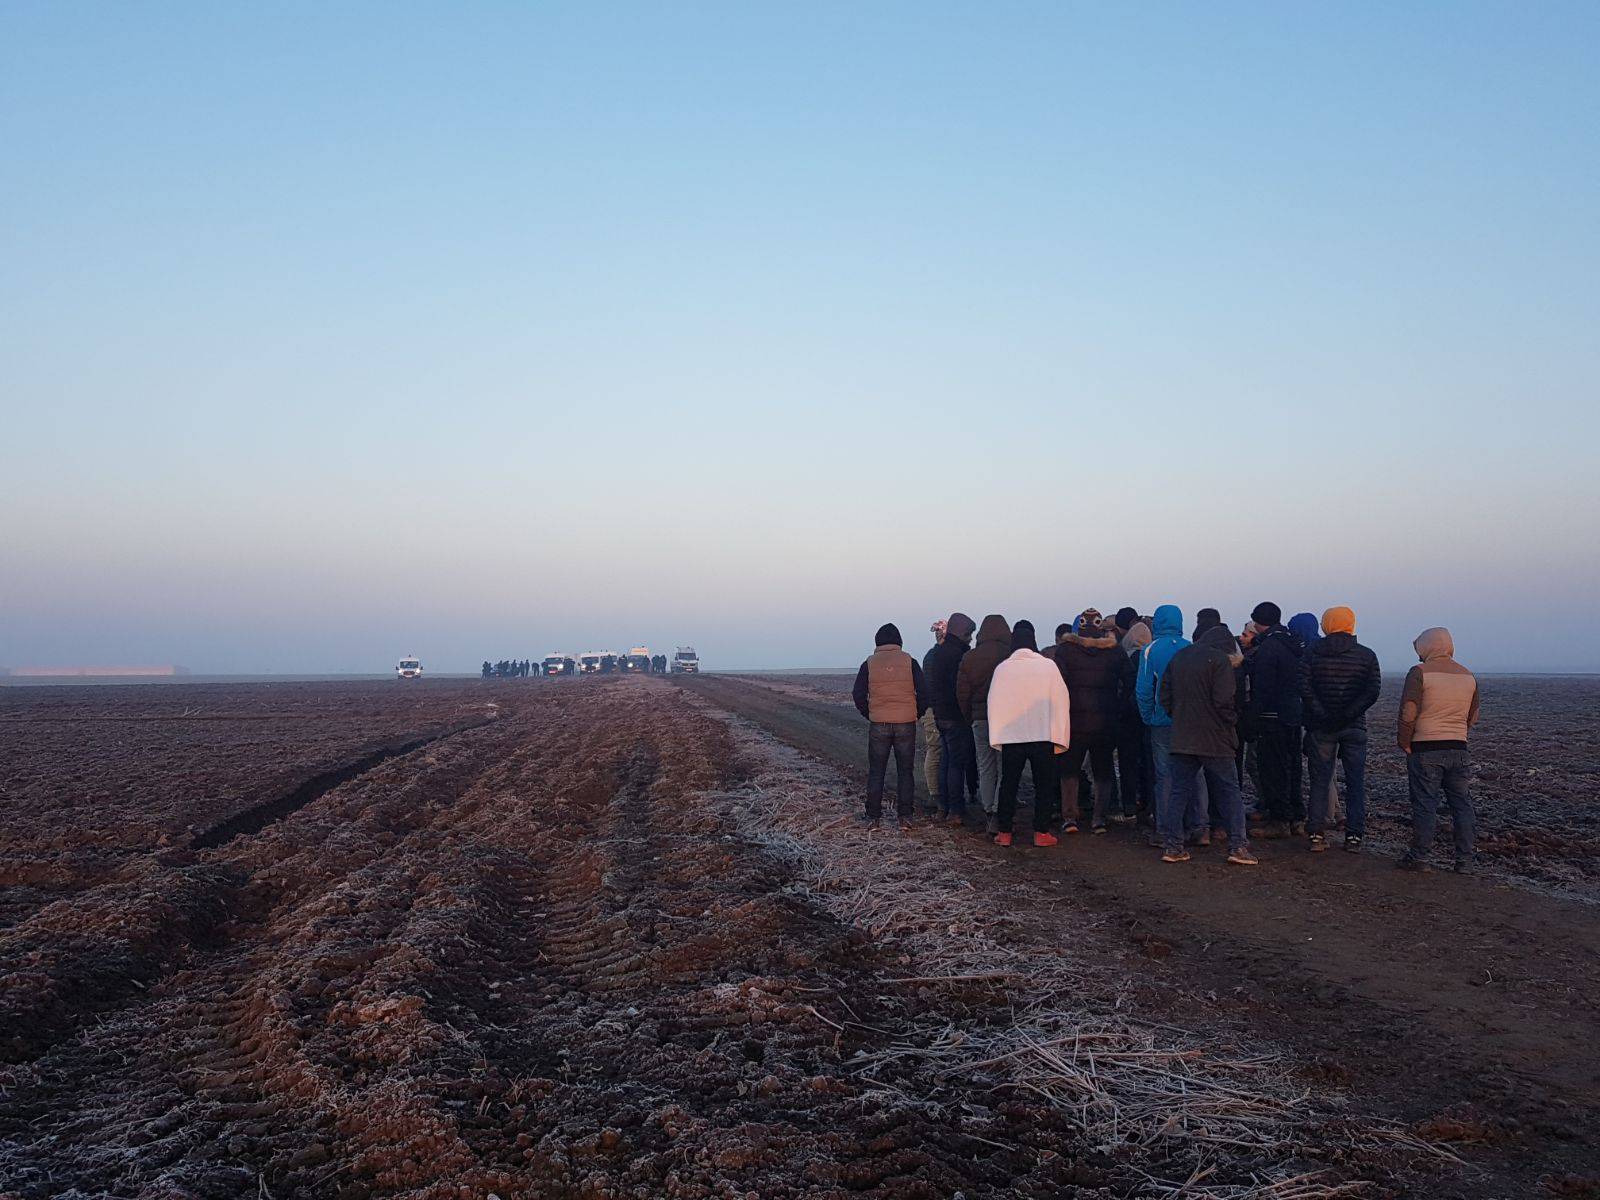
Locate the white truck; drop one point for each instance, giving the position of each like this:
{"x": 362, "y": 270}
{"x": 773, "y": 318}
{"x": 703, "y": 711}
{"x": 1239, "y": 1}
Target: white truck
{"x": 686, "y": 661}
{"x": 589, "y": 662}
{"x": 637, "y": 661}
{"x": 408, "y": 668}
{"x": 559, "y": 663}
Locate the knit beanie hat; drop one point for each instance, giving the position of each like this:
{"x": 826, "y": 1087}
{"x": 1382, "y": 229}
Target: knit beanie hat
{"x": 1125, "y": 618}
{"x": 888, "y": 635}
{"x": 960, "y": 626}
{"x": 1088, "y": 623}
{"x": 1339, "y": 620}
{"x": 1022, "y": 636}
{"x": 937, "y": 629}
{"x": 1266, "y": 613}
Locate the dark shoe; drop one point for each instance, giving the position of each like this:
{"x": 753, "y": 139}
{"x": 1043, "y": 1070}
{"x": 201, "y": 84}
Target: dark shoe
{"x": 1318, "y": 843}
{"x": 1243, "y": 858}
{"x": 905, "y": 825}
{"x": 1070, "y": 827}
{"x": 1410, "y": 862}
{"x": 1175, "y": 856}
{"x": 1352, "y": 843}
{"x": 1203, "y": 838}
{"x": 1098, "y": 830}
{"x": 1463, "y": 866}
{"x": 1297, "y": 829}
{"x": 871, "y": 824}
{"x": 1273, "y": 830}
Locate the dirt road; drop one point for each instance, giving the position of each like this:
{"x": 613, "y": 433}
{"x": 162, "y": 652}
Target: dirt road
{"x": 1440, "y": 999}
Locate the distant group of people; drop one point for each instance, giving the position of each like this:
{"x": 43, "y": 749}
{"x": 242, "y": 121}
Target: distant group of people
{"x": 1125, "y": 720}
{"x": 510, "y": 668}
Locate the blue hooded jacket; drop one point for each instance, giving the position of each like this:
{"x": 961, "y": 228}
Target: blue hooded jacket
{"x": 1153, "y": 660}
{"x": 1304, "y": 627}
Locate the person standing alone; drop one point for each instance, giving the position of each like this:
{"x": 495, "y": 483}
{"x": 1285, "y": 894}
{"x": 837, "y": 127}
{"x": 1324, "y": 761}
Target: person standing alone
{"x": 891, "y": 694}
{"x": 1339, "y": 682}
{"x": 1438, "y": 708}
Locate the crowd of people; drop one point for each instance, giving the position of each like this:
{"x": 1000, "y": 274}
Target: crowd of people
{"x": 1125, "y": 720}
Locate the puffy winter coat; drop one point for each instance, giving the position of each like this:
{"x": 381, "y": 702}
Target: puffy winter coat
{"x": 977, "y": 667}
{"x": 943, "y": 663}
{"x": 1339, "y": 681}
{"x": 1092, "y": 670}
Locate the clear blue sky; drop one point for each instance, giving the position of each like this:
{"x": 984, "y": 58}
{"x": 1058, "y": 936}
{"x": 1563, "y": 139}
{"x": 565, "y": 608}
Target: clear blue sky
{"x": 334, "y": 332}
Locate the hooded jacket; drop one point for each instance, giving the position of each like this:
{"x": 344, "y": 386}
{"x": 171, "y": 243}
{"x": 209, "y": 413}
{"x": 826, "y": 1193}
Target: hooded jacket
{"x": 1092, "y": 670}
{"x": 977, "y": 667}
{"x": 1028, "y": 702}
{"x": 1273, "y": 667}
{"x": 1153, "y": 660}
{"x": 1439, "y": 703}
{"x": 1304, "y": 626}
{"x": 889, "y": 687}
{"x": 944, "y": 660}
{"x": 1199, "y": 693}
{"x": 1339, "y": 681}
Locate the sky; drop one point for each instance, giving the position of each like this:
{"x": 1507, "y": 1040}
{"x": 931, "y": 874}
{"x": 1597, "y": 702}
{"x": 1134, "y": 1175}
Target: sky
{"x": 332, "y": 333}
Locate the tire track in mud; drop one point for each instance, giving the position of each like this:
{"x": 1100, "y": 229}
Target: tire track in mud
{"x": 531, "y": 960}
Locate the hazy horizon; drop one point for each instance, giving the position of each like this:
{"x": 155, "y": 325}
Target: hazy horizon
{"x": 329, "y": 335}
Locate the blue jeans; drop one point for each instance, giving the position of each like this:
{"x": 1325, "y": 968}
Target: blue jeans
{"x": 1173, "y": 821}
{"x": 1222, "y": 782}
{"x": 956, "y": 764}
{"x": 1350, "y": 746}
{"x": 1430, "y": 774}
{"x": 882, "y": 737}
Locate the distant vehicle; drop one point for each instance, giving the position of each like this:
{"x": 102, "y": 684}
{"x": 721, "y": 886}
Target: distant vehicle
{"x": 609, "y": 661}
{"x": 589, "y": 663}
{"x": 686, "y": 661}
{"x": 637, "y": 661}
{"x": 559, "y": 664}
{"x": 408, "y": 668}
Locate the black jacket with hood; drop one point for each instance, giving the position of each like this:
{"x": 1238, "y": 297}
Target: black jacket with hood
{"x": 1200, "y": 693}
{"x": 976, "y": 671}
{"x": 943, "y": 663}
{"x": 1273, "y": 667}
{"x": 1339, "y": 681}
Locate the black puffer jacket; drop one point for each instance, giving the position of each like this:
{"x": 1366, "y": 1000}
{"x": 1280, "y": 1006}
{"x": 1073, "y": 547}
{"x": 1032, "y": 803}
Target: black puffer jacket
{"x": 1094, "y": 673}
{"x": 1339, "y": 681}
{"x": 943, "y": 661}
{"x": 1273, "y": 666}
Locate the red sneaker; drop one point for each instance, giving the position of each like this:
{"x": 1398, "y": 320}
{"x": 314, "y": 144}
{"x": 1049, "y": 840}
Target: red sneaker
{"x": 1045, "y": 839}
{"x": 1002, "y": 839}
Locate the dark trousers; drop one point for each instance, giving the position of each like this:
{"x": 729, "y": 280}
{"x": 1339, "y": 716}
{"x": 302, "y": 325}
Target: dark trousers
{"x": 957, "y": 765}
{"x": 1133, "y": 769}
{"x": 1278, "y": 759}
{"x": 1041, "y": 760}
{"x": 1350, "y": 746}
{"x": 1096, "y": 749}
{"x": 1432, "y": 774}
{"x": 883, "y": 737}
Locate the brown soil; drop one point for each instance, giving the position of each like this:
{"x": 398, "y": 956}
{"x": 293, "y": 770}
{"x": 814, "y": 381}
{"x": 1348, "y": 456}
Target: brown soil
{"x": 1453, "y": 1004}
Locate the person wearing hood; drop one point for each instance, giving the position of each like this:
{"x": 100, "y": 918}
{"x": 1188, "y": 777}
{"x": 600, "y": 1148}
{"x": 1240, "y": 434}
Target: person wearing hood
{"x": 1092, "y": 668}
{"x": 1199, "y": 692}
{"x": 955, "y": 735}
{"x": 1339, "y": 682}
{"x": 973, "y": 678}
{"x": 932, "y": 753}
{"x": 1030, "y": 723}
{"x": 1438, "y": 708}
{"x": 1304, "y": 626}
{"x": 1206, "y": 618}
{"x": 1273, "y": 667}
{"x": 891, "y": 694}
{"x": 1133, "y": 747}
{"x": 1168, "y": 639}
